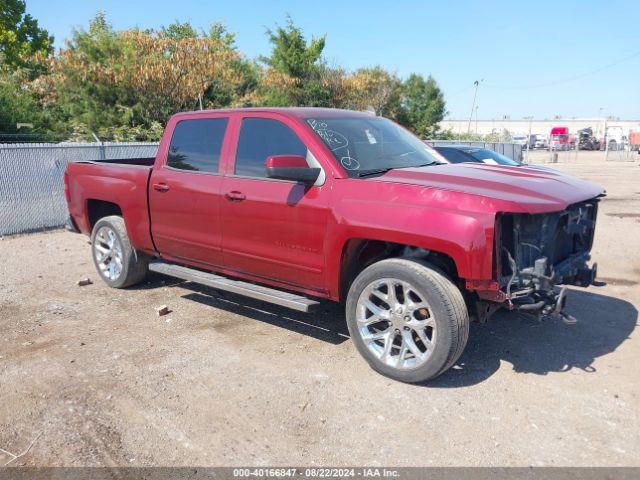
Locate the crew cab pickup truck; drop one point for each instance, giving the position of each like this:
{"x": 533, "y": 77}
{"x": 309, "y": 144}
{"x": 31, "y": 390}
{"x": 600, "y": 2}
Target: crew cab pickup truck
{"x": 293, "y": 205}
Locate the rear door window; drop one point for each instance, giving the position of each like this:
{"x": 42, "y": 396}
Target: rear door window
{"x": 261, "y": 138}
{"x": 196, "y": 145}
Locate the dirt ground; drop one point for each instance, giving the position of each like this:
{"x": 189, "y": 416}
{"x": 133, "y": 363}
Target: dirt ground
{"x": 95, "y": 377}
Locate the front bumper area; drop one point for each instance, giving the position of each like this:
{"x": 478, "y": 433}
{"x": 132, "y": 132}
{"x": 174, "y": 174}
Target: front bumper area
{"x": 534, "y": 289}
{"x": 539, "y": 290}
{"x": 535, "y": 254}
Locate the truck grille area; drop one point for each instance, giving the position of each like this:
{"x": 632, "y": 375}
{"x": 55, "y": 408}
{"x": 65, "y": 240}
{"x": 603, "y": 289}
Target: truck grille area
{"x": 535, "y": 252}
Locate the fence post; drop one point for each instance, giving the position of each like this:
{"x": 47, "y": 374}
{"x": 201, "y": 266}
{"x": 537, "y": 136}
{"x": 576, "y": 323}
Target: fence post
{"x": 101, "y": 149}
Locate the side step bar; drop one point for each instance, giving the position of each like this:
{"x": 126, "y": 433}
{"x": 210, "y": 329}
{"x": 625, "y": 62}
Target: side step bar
{"x": 259, "y": 292}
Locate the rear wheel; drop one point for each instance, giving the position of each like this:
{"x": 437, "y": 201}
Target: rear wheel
{"x": 117, "y": 262}
{"x": 407, "y": 319}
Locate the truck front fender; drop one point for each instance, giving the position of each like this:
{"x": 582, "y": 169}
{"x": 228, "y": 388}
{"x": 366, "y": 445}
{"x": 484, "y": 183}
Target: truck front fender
{"x": 467, "y": 238}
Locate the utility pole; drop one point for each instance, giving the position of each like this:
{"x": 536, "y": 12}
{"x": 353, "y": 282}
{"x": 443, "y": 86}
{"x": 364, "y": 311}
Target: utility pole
{"x": 530, "y": 118}
{"x": 473, "y": 105}
{"x": 606, "y": 141}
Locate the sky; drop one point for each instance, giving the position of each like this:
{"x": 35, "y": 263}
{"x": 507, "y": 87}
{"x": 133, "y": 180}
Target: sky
{"x": 531, "y": 58}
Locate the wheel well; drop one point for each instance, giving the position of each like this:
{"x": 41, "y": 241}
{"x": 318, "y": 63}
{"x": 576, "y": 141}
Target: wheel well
{"x": 358, "y": 254}
{"x": 97, "y": 209}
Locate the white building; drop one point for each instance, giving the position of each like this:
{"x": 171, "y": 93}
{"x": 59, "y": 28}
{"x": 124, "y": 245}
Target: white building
{"x": 540, "y": 127}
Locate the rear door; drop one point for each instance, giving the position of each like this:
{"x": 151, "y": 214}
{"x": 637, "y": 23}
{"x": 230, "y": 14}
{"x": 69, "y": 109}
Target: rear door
{"x": 273, "y": 229}
{"x": 184, "y": 192}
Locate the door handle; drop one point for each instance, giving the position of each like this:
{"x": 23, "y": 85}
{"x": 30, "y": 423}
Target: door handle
{"x": 235, "y": 196}
{"x": 161, "y": 187}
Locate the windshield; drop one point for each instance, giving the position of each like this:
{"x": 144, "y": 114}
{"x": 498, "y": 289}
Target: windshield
{"x": 372, "y": 145}
{"x": 489, "y": 156}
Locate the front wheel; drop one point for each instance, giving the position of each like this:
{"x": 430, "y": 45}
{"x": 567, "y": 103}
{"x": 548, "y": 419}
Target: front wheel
{"x": 117, "y": 262}
{"x": 407, "y": 319}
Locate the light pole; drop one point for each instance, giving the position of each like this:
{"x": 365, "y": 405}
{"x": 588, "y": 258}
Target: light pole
{"x": 477, "y": 119}
{"x": 473, "y": 105}
{"x": 599, "y": 116}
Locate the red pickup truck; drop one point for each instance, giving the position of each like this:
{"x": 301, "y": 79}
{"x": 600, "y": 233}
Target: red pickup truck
{"x": 288, "y": 205}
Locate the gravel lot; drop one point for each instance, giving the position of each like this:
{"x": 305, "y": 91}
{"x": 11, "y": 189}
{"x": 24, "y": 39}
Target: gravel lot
{"x": 97, "y": 378}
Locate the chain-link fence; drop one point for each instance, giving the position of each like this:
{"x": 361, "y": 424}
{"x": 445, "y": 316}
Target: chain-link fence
{"x": 31, "y": 183}
{"x": 511, "y": 150}
{"x": 573, "y": 155}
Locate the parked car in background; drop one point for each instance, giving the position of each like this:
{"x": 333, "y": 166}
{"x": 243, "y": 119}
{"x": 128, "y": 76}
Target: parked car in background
{"x": 293, "y": 204}
{"x": 520, "y": 140}
{"x": 466, "y": 153}
{"x": 541, "y": 142}
{"x": 527, "y": 141}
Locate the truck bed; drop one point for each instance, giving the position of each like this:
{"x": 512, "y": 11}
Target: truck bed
{"x": 122, "y": 183}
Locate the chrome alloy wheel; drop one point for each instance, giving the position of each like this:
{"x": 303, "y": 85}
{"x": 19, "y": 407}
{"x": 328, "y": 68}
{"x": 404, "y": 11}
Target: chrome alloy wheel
{"x": 395, "y": 323}
{"x": 107, "y": 251}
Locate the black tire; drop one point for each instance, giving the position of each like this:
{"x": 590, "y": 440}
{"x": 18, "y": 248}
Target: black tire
{"x": 447, "y": 305}
{"x": 135, "y": 265}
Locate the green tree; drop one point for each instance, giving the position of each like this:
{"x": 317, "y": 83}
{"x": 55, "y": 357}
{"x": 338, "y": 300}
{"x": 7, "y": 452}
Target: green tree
{"x": 19, "y": 104}
{"x": 219, "y": 93}
{"x": 16, "y": 104}
{"x": 295, "y": 74}
{"x": 224, "y": 94}
{"x": 218, "y": 31}
{"x": 374, "y": 88}
{"x": 81, "y": 83}
{"x": 290, "y": 53}
{"x": 20, "y": 36}
{"x": 179, "y": 31}
{"x": 422, "y": 107}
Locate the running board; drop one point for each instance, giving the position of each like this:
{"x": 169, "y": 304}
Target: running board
{"x": 271, "y": 295}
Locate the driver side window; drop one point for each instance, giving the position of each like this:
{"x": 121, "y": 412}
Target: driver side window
{"x": 261, "y": 138}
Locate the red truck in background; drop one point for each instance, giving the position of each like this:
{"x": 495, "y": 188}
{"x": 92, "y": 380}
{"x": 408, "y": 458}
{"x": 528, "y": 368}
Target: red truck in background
{"x": 634, "y": 141}
{"x": 559, "y": 138}
{"x": 292, "y": 205}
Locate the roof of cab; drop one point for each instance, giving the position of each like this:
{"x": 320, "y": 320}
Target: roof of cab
{"x": 298, "y": 112}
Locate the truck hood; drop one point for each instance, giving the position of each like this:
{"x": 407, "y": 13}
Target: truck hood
{"x": 533, "y": 190}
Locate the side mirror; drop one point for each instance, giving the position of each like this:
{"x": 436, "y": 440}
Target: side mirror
{"x": 291, "y": 167}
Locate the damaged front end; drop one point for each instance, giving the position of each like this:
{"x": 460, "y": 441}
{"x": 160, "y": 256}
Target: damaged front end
{"x": 535, "y": 253}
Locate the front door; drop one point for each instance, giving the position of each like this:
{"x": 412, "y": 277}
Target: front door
{"x": 273, "y": 229}
{"x": 184, "y": 193}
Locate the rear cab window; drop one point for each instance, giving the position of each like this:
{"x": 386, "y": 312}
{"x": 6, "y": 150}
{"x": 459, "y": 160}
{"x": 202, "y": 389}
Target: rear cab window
{"x": 196, "y": 145}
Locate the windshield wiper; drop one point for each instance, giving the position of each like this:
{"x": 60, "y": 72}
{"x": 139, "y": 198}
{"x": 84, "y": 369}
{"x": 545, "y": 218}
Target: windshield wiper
{"x": 422, "y": 165}
{"x": 380, "y": 171}
{"x": 375, "y": 171}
